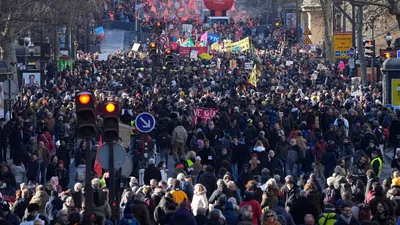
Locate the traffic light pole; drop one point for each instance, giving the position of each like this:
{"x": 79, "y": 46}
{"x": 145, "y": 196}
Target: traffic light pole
{"x": 88, "y": 182}
{"x": 112, "y": 178}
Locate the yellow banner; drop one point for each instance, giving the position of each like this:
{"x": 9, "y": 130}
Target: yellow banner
{"x": 215, "y": 46}
{"x": 239, "y": 46}
{"x": 396, "y": 92}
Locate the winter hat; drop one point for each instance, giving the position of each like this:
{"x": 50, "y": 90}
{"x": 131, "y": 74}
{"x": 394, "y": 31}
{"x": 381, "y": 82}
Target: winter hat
{"x": 198, "y": 158}
{"x": 329, "y": 207}
{"x": 152, "y": 161}
{"x": 58, "y": 143}
{"x": 139, "y": 197}
{"x": 60, "y": 162}
{"x": 33, "y": 207}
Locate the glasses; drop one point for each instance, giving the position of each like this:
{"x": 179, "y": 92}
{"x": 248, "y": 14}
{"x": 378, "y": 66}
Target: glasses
{"x": 269, "y": 216}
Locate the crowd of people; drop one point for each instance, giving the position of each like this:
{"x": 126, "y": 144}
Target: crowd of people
{"x": 297, "y": 146}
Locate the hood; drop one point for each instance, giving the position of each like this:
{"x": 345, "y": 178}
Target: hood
{"x": 279, "y": 209}
{"x": 229, "y": 205}
{"x": 183, "y": 213}
{"x": 259, "y": 149}
{"x": 82, "y": 166}
{"x": 208, "y": 174}
{"x": 41, "y": 194}
{"x": 294, "y": 110}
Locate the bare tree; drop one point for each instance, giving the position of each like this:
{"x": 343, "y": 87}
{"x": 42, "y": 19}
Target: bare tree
{"x": 326, "y": 6}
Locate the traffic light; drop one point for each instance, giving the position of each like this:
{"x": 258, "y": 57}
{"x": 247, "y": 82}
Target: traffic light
{"x": 85, "y": 115}
{"x": 291, "y": 35}
{"x": 114, "y": 211}
{"x": 153, "y": 51}
{"x": 369, "y": 49}
{"x": 277, "y": 23}
{"x": 111, "y": 121}
{"x": 169, "y": 59}
{"x": 159, "y": 27}
{"x": 387, "y": 55}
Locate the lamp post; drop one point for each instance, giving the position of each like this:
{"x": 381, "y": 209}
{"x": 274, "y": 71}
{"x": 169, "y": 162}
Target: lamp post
{"x": 388, "y": 39}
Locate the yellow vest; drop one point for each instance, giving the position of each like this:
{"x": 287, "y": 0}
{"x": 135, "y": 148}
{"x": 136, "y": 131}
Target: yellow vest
{"x": 380, "y": 165}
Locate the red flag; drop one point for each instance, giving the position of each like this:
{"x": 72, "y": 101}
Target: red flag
{"x": 97, "y": 166}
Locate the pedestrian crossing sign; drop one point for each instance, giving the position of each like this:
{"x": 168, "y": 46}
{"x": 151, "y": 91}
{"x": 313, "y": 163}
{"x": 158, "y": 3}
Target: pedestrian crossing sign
{"x": 307, "y": 40}
{"x": 307, "y": 31}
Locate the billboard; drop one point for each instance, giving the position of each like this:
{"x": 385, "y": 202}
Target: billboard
{"x": 342, "y": 42}
{"x": 396, "y": 92}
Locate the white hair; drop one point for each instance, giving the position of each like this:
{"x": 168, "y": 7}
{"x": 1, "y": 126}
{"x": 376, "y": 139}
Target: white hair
{"x": 181, "y": 176}
{"x": 271, "y": 183}
{"x": 330, "y": 181}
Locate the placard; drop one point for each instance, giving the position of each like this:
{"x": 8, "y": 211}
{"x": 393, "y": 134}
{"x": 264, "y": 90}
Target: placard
{"x": 248, "y": 65}
{"x": 204, "y": 114}
{"x": 135, "y": 47}
{"x": 103, "y": 57}
{"x": 193, "y": 54}
{"x": 232, "y": 64}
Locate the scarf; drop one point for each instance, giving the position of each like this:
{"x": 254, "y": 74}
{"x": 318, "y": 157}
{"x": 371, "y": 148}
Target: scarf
{"x": 347, "y": 220}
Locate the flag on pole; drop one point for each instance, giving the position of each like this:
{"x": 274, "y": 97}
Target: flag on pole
{"x": 253, "y": 76}
{"x": 204, "y": 37}
{"x": 97, "y": 167}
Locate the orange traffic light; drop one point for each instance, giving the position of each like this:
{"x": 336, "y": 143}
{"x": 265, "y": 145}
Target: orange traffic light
{"x": 387, "y": 55}
{"x": 158, "y": 24}
{"x": 152, "y": 45}
{"x": 84, "y": 99}
{"x": 168, "y": 51}
{"x": 110, "y": 107}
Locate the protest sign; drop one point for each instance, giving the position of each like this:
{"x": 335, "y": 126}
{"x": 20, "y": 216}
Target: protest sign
{"x": 213, "y": 38}
{"x": 102, "y": 57}
{"x": 238, "y": 46}
{"x": 193, "y": 54}
{"x": 204, "y": 114}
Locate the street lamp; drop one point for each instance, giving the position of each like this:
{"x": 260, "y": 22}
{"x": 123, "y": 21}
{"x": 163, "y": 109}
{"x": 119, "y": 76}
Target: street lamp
{"x": 31, "y": 48}
{"x": 388, "y": 39}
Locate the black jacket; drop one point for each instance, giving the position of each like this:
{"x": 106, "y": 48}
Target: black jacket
{"x": 353, "y": 221}
{"x": 151, "y": 172}
{"x": 209, "y": 180}
{"x": 12, "y": 219}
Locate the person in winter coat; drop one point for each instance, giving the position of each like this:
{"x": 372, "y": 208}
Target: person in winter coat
{"x": 151, "y": 172}
{"x": 281, "y": 152}
{"x": 165, "y": 206}
{"x": 291, "y": 193}
{"x": 396, "y": 160}
{"x": 346, "y": 218}
{"x": 218, "y": 192}
{"x": 269, "y": 217}
{"x": 178, "y": 140}
{"x": 182, "y": 216}
{"x": 80, "y": 173}
{"x": 10, "y": 217}
{"x": 329, "y": 159}
{"x": 255, "y": 206}
{"x": 21, "y": 204}
{"x": 101, "y": 206}
{"x": 240, "y": 155}
{"x": 19, "y": 171}
{"x": 319, "y": 148}
{"x": 380, "y": 198}
{"x": 63, "y": 153}
{"x": 62, "y": 175}
{"x": 177, "y": 193}
{"x": 53, "y": 206}
{"x": 201, "y": 218}
{"x": 8, "y": 176}
{"x": 130, "y": 219}
{"x": 208, "y": 180}
{"x": 269, "y": 199}
{"x": 281, "y": 211}
{"x": 294, "y": 158}
{"x": 340, "y": 169}
{"x": 313, "y": 196}
{"x": 33, "y": 213}
{"x": 328, "y": 217}
{"x": 47, "y": 140}
{"x": 208, "y": 155}
{"x": 199, "y": 198}
{"x": 244, "y": 177}
{"x": 382, "y": 216}
{"x": 230, "y": 214}
{"x": 262, "y": 155}
{"x": 40, "y": 198}
{"x": 348, "y": 152}
{"x": 301, "y": 207}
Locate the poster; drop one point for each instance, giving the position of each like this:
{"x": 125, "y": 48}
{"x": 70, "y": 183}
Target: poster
{"x": 213, "y": 38}
{"x": 232, "y": 64}
{"x": 395, "y": 93}
{"x": 103, "y": 57}
{"x": 204, "y": 114}
{"x": 31, "y": 79}
{"x": 356, "y": 86}
{"x": 185, "y": 51}
{"x": 239, "y": 46}
{"x": 291, "y": 20}
{"x": 193, "y": 54}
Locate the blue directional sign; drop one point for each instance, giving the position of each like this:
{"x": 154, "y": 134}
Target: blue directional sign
{"x": 351, "y": 52}
{"x": 337, "y": 53}
{"x": 398, "y": 53}
{"x": 145, "y": 122}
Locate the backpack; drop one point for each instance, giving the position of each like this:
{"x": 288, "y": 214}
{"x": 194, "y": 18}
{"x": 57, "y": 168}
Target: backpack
{"x": 130, "y": 221}
{"x": 330, "y": 197}
{"x": 308, "y": 136}
{"x": 281, "y": 218}
{"x": 364, "y": 213}
{"x": 286, "y": 122}
{"x": 386, "y": 121}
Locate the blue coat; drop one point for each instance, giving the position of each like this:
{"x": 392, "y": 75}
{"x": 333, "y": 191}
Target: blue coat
{"x": 182, "y": 216}
{"x": 230, "y": 214}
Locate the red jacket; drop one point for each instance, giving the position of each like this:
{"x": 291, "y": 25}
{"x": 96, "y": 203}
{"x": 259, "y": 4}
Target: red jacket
{"x": 47, "y": 140}
{"x": 255, "y": 206}
{"x": 319, "y": 149}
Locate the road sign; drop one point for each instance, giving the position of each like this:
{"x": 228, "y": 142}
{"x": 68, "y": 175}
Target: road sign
{"x": 342, "y": 42}
{"x": 307, "y": 31}
{"x": 307, "y": 47}
{"x": 7, "y": 84}
{"x": 103, "y": 155}
{"x": 145, "y": 122}
{"x": 127, "y": 167}
{"x": 163, "y": 39}
{"x": 307, "y": 40}
{"x": 351, "y": 52}
{"x": 398, "y": 53}
{"x": 297, "y": 45}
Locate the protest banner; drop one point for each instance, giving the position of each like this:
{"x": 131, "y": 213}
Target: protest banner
{"x": 204, "y": 114}
{"x": 185, "y": 51}
{"x": 213, "y": 38}
{"x": 238, "y": 46}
